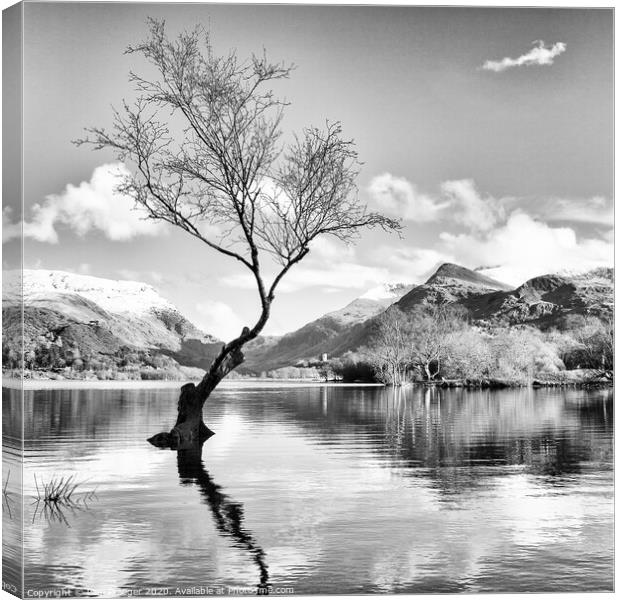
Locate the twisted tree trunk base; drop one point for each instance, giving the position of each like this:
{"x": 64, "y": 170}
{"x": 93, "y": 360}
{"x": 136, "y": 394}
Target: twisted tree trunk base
{"x": 190, "y": 429}
{"x": 189, "y": 426}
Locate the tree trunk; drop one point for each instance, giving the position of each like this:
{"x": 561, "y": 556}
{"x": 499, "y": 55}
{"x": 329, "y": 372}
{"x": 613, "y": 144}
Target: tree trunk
{"x": 427, "y": 370}
{"x": 190, "y": 428}
{"x": 436, "y": 370}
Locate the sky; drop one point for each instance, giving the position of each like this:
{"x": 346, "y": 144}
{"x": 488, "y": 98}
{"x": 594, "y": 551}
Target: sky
{"x": 488, "y": 131}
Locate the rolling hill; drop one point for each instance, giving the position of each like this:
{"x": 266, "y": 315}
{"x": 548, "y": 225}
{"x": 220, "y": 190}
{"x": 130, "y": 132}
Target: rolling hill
{"x": 315, "y": 338}
{"x": 109, "y": 319}
{"x": 543, "y": 302}
{"x": 102, "y": 317}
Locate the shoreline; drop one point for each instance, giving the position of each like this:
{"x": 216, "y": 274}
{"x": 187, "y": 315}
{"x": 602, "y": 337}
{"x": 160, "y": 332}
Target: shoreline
{"x": 112, "y": 384}
{"x": 573, "y": 378}
{"x": 13, "y": 383}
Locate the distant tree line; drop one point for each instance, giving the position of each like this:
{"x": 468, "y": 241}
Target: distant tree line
{"x": 435, "y": 344}
{"x": 440, "y": 343}
{"x": 124, "y": 363}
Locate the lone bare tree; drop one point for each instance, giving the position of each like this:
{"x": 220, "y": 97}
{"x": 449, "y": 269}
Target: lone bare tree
{"x": 590, "y": 345}
{"x": 389, "y": 351}
{"x": 431, "y": 332}
{"x": 204, "y": 147}
{"x": 418, "y": 340}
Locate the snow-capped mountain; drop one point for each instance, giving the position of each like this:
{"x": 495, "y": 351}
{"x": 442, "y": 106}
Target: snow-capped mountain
{"x": 114, "y": 296}
{"x": 98, "y": 315}
{"x": 387, "y": 291}
{"x": 316, "y": 337}
{"x": 540, "y": 302}
{"x": 370, "y": 303}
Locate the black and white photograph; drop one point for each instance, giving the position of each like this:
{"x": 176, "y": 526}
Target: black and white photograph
{"x": 307, "y": 299}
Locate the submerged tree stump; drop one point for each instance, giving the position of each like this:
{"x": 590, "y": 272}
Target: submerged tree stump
{"x": 190, "y": 429}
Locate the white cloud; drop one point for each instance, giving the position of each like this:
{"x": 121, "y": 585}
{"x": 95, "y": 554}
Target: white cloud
{"x": 496, "y": 232}
{"x": 596, "y": 210}
{"x": 10, "y": 230}
{"x": 242, "y": 281}
{"x": 271, "y": 197}
{"x": 330, "y": 248}
{"x": 156, "y": 276}
{"x": 525, "y": 237}
{"x": 93, "y": 205}
{"x": 399, "y": 197}
{"x": 410, "y": 265}
{"x": 218, "y": 319}
{"x": 131, "y": 275}
{"x": 336, "y": 274}
{"x": 538, "y": 55}
{"x": 608, "y": 235}
{"x": 472, "y": 210}
{"x": 525, "y": 248}
{"x": 460, "y": 201}
{"x": 331, "y": 265}
{"x": 339, "y": 275}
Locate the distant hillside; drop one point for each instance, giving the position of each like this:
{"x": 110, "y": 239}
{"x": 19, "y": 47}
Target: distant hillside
{"x": 103, "y": 318}
{"x": 547, "y": 301}
{"x": 542, "y": 302}
{"x": 451, "y": 274}
{"x": 369, "y": 304}
{"x": 315, "y": 338}
{"x": 335, "y": 334}
{"x": 122, "y": 322}
{"x": 450, "y": 283}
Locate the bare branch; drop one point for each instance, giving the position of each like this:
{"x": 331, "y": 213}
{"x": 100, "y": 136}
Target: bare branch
{"x": 202, "y": 142}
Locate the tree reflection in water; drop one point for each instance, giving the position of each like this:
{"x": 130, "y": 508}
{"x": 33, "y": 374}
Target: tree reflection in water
{"x": 228, "y": 514}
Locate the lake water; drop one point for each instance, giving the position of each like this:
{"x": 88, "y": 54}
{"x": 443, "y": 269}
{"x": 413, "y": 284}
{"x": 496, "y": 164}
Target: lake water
{"x": 317, "y": 490}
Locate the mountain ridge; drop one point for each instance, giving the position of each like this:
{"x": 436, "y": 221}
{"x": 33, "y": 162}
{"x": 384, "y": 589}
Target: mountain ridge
{"x": 452, "y": 272}
{"x": 543, "y": 301}
{"x": 309, "y": 340}
{"x": 108, "y": 317}
{"x": 104, "y": 318}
